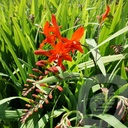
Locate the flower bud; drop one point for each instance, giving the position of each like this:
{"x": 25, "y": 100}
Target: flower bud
{"x": 36, "y": 96}
{"x": 35, "y": 109}
{"x": 30, "y": 80}
{"x": 50, "y": 96}
{"x": 59, "y": 88}
{"x": 26, "y": 85}
{"x": 28, "y": 105}
{"x": 25, "y": 110}
{"x": 24, "y": 89}
{"x": 40, "y": 106}
{"x": 33, "y": 76}
{"x": 36, "y": 70}
{"x": 41, "y": 77}
{"x": 46, "y": 101}
{"x": 31, "y": 101}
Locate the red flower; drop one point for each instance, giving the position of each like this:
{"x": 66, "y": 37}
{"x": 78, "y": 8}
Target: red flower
{"x": 104, "y": 16}
{"x": 56, "y": 27}
{"x": 59, "y": 54}
{"x": 51, "y": 32}
{"x": 61, "y": 47}
{"x": 50, "y": 38}
{"x": 74, "y": 43}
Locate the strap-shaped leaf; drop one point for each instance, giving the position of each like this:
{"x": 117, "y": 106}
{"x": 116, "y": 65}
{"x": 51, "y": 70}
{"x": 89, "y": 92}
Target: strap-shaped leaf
{"x": 96, "y": 54}
{"x": 110, "y": 120}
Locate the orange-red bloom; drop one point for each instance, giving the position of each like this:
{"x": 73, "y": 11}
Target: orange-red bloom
{"x": 51, "y": 32}
{"x": 61, "y": 47}
{"x": 59, "y": 54}
{"x": 104, "y": 15}
{"x": 74, "y": 43}
{"x": 56, "y": 27}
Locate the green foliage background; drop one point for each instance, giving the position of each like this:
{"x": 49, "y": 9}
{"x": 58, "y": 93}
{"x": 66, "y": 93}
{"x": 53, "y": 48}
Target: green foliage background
{"x": 20, "y": 36}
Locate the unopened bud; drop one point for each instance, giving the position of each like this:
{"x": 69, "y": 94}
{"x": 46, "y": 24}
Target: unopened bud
{"x": 30, "y": 113}
{"x": 25, "y": 110}
{"x": 50, "y": 96}
{"x": 33, "y": 76}
{"x": 46, "y": 101}
{"x": 40, "y": 63}
{"x": 26, "y": 85}
{"x": 36, "y": 96}
{"x": 40, "y": 77}
{"x": 24, "y": 89}
{"x": 31, "y": 101}
{"x": 28, "y": 105}
{"x": 59, "y": 88}
{"x": 37, "y": 70}
{"x": 40, "y": 106}
{"x": 35, "y": 109}
{"x": 68, "y": 122}
{"x": 46, "y": 72}
{"x": 38, "y": 90}
{"x": 43, "y": 85}
{"x": 30, "y": 80}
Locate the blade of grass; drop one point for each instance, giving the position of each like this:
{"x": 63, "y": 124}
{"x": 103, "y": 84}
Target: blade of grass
{"x": 23, "y": 75}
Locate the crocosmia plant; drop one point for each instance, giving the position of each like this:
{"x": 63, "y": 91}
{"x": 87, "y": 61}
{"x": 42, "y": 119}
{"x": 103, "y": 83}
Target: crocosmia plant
{"x": 63, "y": 64}
{"x": 60, "y": 47}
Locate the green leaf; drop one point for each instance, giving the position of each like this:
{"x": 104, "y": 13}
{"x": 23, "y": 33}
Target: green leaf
{"x": 43, "y": 121}
{"x": 106, "y": 59}
{"x": 96, "y": 54}
{"x": 68, "y": 102}
{"x": 110, "y": 120}
{"x": 54, "y": 3}
{"x": 12, "y": 98}
{"x": 7, "y": 41}
{"x": 96, "y": 88}
{"x": 11, "y": 75}
{"x": 64, "y": 76}
{"x": 121, "y": 89}
{"x": 116, "y": 16}
{"x": 2, "y": 74}
{"x": 123, "y": 30}
{"x": 123, "y": 71}
{"x": 10, "y": 114}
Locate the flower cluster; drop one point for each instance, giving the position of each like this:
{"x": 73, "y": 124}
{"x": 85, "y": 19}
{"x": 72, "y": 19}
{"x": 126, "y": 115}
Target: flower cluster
{"x": 60, "y": 47}
{"x": 40, "y": 96}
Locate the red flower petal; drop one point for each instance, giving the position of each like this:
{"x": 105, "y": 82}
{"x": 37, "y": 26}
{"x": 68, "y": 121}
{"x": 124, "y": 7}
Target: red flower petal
{"x": 77, "y": 46}
{"x": 46, "y": 28}
{"x": 67, "y": 57}
{"x": 54, "y": 22}
{"x": 78, "y": 34}
{"x": 42, "y": 52}
{"x": 104, "y": 16}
